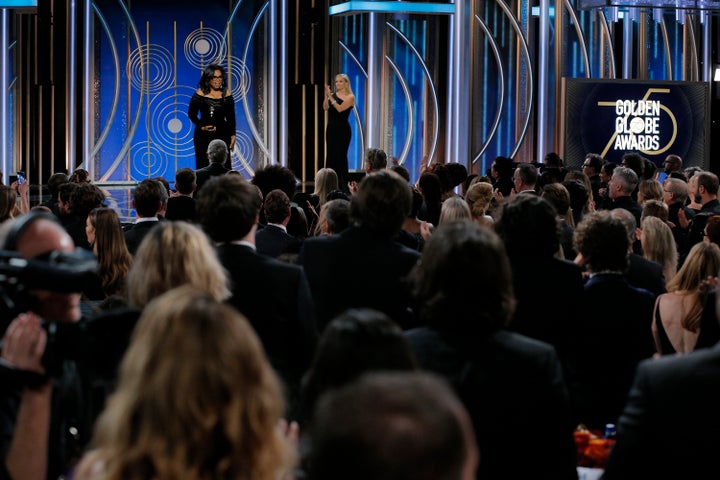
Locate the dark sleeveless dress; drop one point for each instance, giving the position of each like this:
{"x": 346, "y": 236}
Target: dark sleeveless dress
{"x": 337, "y": 141}
{"x": 709, "y": 328}
{"x": 211, "y": 111}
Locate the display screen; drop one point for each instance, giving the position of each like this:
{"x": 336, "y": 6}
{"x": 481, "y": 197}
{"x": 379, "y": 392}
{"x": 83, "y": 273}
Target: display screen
{"x": 654, "y": 118}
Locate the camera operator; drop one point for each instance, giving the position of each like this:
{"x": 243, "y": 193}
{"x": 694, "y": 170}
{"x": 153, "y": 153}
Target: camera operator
{"x": 41, "y": 411}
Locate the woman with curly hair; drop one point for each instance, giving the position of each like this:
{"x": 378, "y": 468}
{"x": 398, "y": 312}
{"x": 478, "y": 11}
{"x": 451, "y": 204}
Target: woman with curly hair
{"x": 105, "y": 235}
{"x": 197, "y": 399}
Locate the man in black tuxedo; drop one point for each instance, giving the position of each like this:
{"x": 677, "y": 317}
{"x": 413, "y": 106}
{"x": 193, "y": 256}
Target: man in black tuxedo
{"x": 274, "y": 240}
{"x": 622, "y": 184}
{"x": 363, "y": 266}
{"x": 182, "y": 205}
{"x": 217, "y": 153}
{"x": 669, "y": 428}
{"x": 149, "y": 197}
{"x": 273, "y": 295}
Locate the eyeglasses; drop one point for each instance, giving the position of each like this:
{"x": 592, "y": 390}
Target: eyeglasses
{"x": 218, "y": 77}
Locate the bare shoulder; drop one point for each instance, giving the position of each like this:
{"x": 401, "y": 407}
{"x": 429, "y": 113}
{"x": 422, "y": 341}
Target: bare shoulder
{"x": 228, "y": 93}
{"x": 199, "y": 92}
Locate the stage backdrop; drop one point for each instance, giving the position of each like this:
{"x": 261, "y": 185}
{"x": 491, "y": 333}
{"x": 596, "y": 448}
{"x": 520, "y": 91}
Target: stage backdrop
{"x": 148, "y": 57}
{"x": 655, "y": 118}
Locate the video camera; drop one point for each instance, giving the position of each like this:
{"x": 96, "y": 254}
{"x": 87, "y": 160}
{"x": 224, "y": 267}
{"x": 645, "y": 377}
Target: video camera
{"x": 62, "y": 272}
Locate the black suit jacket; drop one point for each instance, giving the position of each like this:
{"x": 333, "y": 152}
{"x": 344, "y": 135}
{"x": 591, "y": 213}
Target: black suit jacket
{"x": 358, "y": 268}
{"x": 181, "y": 208}
{"x": 512, "y": 387}
{"x": 135, "y": 234}
{"x": 204, "y": 174}
{"x": 644, "y": 273}
{"x": 669, "y": 428}
{"x": 272, "y": 241}
{"x": 275, "y": 298}
{"x": 629, "y": 204}
{"x": 613, "y": 335}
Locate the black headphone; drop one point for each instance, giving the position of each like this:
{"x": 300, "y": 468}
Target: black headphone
{"x": 22, "y": 223}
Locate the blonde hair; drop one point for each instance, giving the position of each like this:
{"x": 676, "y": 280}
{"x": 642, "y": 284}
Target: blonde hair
{"x": 478, "y": 198}
{"x": 344, "y": 76}
{"x": 326, "y": 180}
{"x": 453, "y": 209}
{"x": 196, "y": 399}
{"x": 650, "y": 189}
{"x": 174, "y": 254}
{"x": 703, "y": 261}
{"x": 658, "y": 245}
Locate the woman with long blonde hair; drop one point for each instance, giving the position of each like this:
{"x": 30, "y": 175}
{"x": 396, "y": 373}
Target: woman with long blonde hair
{"x": 326, "y": 180}
{"x": 338, "y": 103}
{"x": 676, "y": 324}
{"x": 196, "y": 400}
{"x": 658, "y": 244}
{"x": 174, "y": 254}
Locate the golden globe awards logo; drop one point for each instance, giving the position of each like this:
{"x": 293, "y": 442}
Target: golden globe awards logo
{"x": 638, "y": 124}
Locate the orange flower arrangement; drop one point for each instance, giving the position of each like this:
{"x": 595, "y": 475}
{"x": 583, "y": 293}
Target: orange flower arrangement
{"x": 592, "y": 449}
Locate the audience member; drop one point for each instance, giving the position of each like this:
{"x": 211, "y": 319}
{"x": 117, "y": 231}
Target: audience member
{"x": 84, "y": 198}
{"x": 592, "y": 165}
{"x": 501, "y": 171}
{"x": 650, "y": 189}
{"x": 411, "y": 233}
{"x": 458, "y": 173}
{"x": 53, "y": 184}
{"x": 672, "y": 163}
{"x": 402, "y": 171}
{"x": 375, "y": 160}
{"x": 609, "y": 341}
{"x": 149, "y": 197}
{"x": 677, "y": 320}
{"x": 479, "y": 197}
{"x": 712, "y": 230}
{"x": 668, "y": 429}
{"x": 579, "y": 197}
{"x": 589, "y": 205}
{"x": 326, "y": 180}
{"x": 217, "y": 154}
{"x": 453, "y": 209}
{"x": 105, "y": 235}
{"x": 658, "y": 245}
{"x": 278, "y": 177}
{"x": 80, "y": 175}
{"x": 181, "y": 206}
{"x": 393, "y": 426}
{"x": 334, "y": 217}
{"x": 8, "y": 203}
{"x": 363, "y": 266}
{"x": 274, "y": 239}
{"x": 622, "y": 184}
{"x": 559, "y": 197}
{"x": 464, "y": 294}
{"x": 635, "y": 162}
{"x": 274, "y": 296}
{"x": 215, "y": 417}
{"x": 655, "y": 208}
{"x": 65, "y": 191}
{"x": 355, "y": 342}
{"x": 538, "y": 273}
{"x": 525, "y": 178}
{"x": 606, "y": 172}
{"x": 706, "y": 194}
{"x": 431, "y": 189}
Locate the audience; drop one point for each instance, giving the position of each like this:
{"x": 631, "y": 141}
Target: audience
{"x": 334, "y": 217}
{"x": 274, "y": 239}
{"x": 181, "y": 206}
{"x": 658, "y": 245}
{"x": 217, "y": 154}
{"x": 149, "y": 198}
{"x": 479, "y": 197}
{"x": 196, "y": 399}
{"x": 393, "y": 426}
{"x": 677, "y": 320}
{"x": 105, "y": 235}
{"x": 509, "y": 383}
{"x": 363, "y": 266}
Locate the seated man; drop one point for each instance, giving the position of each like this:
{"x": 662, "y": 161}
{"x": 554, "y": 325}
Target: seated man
{"x": 149, "y": 198}
{"x": 393, "y": 426}
{"x": 182, "y": 205}
{"x": 217, "y": 153}
{"x": 274, "y": 239}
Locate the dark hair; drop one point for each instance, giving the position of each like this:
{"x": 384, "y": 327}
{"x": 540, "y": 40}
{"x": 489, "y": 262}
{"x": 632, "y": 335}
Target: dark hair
{"x": 185, "y": 181}
{"x": 276, "y": 206}
{"x": 227, "y": 206}
{"x": 149, "y": 195}
{"x": 443, "y": 173}
{"x": 390, "y": 426}
{"x": 84, "y": 198}
{"x": 635, "y": 162}
{"x": 608, "y": 167}
{"x": 275, "y": 176}
{"x": 458, "y": 172}
{"x": 402, "y": 171}
{"x": 54, "y": 182}
{"x": 337, "y": 194}
{"x": 65, "y": 191}
{"x": 712, "y": 228}
{"x": 603, "y": 241}
{"x": 376, "y": 159}
{"x": 552, "y": 159}
{"x": 595, "y": 160}
{"x": 525, "y": 217}
{"x": 503, "y": 166}
{"x": 382, "y": 202}
{"x": 355, "y": 342}
{"x": 463, "y": 282}
{"x": 709, "y": 181}
{"x": 649, "y": 169}
{"x": 164, "y": 183}
{"x": 207, "y": 75}
{"x": 528, "y": 173}
{"x": 80, "y": 175}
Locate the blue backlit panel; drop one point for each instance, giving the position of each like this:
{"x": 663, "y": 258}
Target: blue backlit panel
{"x": 674, "y": 4}
{"x": 18, "y": 3}
{"x": 353, "y": 7}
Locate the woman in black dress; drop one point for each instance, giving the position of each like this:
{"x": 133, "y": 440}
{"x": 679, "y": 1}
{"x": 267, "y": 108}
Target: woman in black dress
{"x": 337, "y": 133}
{"x": 212, "y": 110}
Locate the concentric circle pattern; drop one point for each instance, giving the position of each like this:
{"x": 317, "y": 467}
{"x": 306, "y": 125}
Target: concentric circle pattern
{"x": 241, "y": 78}
{"x": 147, "y": 161}
{"x": 242, "y": 154}
{"x": 150, "y": 68}
{"x": 170, "y": 128}
{"x": 204, "y": 46}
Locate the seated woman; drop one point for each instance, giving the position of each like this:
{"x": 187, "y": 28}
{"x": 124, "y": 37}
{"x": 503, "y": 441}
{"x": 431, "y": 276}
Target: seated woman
{"x": 105, "y": 236}
{"x": 196, "y": 399}
{"x": 677, "y": 325}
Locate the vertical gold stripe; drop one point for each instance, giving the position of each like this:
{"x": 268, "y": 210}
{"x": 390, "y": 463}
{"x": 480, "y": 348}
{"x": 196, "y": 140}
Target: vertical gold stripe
{"x": 642, "y": 65}
{"x": 147, "y": 93}
{"x": 229, "y": 56}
